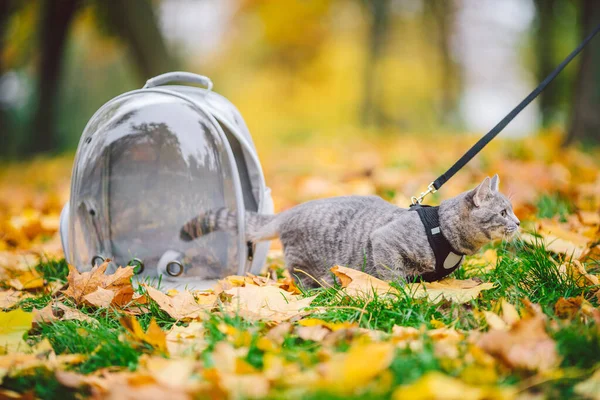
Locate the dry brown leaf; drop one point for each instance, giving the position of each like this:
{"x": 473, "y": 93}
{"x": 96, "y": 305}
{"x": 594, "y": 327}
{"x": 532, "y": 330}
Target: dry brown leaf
{"x": 169, "y": 372}
{"x": 123, "y": 385}
{"x": 570, "y": 307}
{"x": 525, "y": 346}
{"x": 358, "y": 283}
{"x": 454, "y": 290}
{"x": 154, "y": 336}
{"x": 589, "y": 217}
{"x": 510, "y": 315}
{"x": 56, "y": 311}
{"x": 268, "y": 303}
{"x": 576, "y": 270}
{"x": 83, "y": 284}
{"x": 100, "y": 298}
{"x": 10, "y": 297}
{"x": 183, "y": 306}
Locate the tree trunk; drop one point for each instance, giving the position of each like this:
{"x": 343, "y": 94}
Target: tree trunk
{"x": 549, "y": 100}
{"x": 378, "y": 11}
{"x": 584, "y": 125}
{"x": 6, "y": 8}
{"x": 442, "y": 12}
{"x": 136, "y": 23}
{"x": 56, "y": 17}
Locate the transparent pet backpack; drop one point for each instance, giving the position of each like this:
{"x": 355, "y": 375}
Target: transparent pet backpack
{"x": 149, "y": 161}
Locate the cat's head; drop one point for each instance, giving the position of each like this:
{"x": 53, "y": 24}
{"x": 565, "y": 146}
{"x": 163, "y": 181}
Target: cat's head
{"x": 490, "y": 213}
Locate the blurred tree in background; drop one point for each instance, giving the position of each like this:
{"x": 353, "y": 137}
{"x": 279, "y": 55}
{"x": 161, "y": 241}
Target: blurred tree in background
{"x": 295, "y": 69}
{"x": 584, "y": 124}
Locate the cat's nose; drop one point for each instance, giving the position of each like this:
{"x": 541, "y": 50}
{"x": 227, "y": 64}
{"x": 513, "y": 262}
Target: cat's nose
{"x": 518, "y": 223}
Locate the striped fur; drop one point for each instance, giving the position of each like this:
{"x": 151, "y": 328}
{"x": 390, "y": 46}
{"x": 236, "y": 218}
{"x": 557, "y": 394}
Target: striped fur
{"x": 368, "y": 233}
{"x": 223, "y": 219}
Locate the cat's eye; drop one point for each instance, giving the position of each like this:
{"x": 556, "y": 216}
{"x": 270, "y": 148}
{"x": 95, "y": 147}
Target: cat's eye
{"x": 503, "y": 213}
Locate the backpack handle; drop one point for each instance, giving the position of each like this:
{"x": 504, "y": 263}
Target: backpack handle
{"x": 186, "y": 77}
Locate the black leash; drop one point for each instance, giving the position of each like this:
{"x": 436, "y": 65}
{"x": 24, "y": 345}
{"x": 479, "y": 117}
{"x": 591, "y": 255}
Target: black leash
{"x": 435, "y": 185}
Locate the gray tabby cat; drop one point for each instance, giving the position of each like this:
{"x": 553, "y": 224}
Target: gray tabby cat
{"x": 369, "y": 233}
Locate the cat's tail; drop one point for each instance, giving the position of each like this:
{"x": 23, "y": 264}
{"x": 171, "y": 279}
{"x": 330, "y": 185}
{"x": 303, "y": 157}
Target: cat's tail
{"x": 259, "y": 227}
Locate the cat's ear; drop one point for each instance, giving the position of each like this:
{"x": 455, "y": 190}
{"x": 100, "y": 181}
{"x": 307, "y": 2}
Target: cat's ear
{"x": 495, "y": 183}
{"x": 482, "y": 191}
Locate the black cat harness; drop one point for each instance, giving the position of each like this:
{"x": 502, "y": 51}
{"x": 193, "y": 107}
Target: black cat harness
{"x": 447, "y": 259}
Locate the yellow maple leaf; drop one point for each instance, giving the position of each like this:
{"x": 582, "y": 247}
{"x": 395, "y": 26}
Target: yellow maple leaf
{"x": 435, "y": 385}
{"x": 13, "y": 324}
{"x": 154, "y": 336}
{"x": 346, "y": 372}
{"x": 525, "y": 346}
{"x": 29, "y": 279}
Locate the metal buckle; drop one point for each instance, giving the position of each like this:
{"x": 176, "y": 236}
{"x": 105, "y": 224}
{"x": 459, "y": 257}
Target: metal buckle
{"x": 418, "y": 200}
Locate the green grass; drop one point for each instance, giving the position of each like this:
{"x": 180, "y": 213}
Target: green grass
{"x": 101, "y": 342}
{"x": 554, "y": 205}
{"x": 522, "y": 271}
{"x": 54, "y": 270}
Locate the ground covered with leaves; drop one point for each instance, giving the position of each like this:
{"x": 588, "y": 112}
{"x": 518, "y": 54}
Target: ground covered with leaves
{"x": 518, "y": 320}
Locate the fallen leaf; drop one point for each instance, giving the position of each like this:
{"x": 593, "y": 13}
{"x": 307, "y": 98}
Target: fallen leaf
{"x": 169, "y": 372}
{"x": 9, "y": 298}
{"x": 253, "y": 386}
{"x": 13, "y": 324}
{"x": 30, "y": 279}
{"x": 589, "y": 217}
{"x": 332, "y": 326}
{"x": 101, "y": 298}
{"x": 576, "y": 271}
{"x": 590, "y": 388}
{"x": 510, "y": 315}
{"x": 454, "y": 290}
{"x": 190, "y": 338}
{"x": 525, "y": 346}
{"x": 183, "y": 306}
{"x": 346, "y": 372}
{"x": 435, "y": 385}
{"x": 57, "y": 311}
{"x": 86, "y": 283}
{"x": 358, "y": 283}
{"x": 570, "y": 307}
{"x": 154, "y": 336}
{"x": 315, "y": 333}
{"x": 267, "y": 303}
{"x": 556, "y": 244}
{"x": 494, "y": 321}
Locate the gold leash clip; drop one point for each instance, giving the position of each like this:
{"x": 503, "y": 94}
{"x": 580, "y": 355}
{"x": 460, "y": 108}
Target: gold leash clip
{"x": 418, "y": 200}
